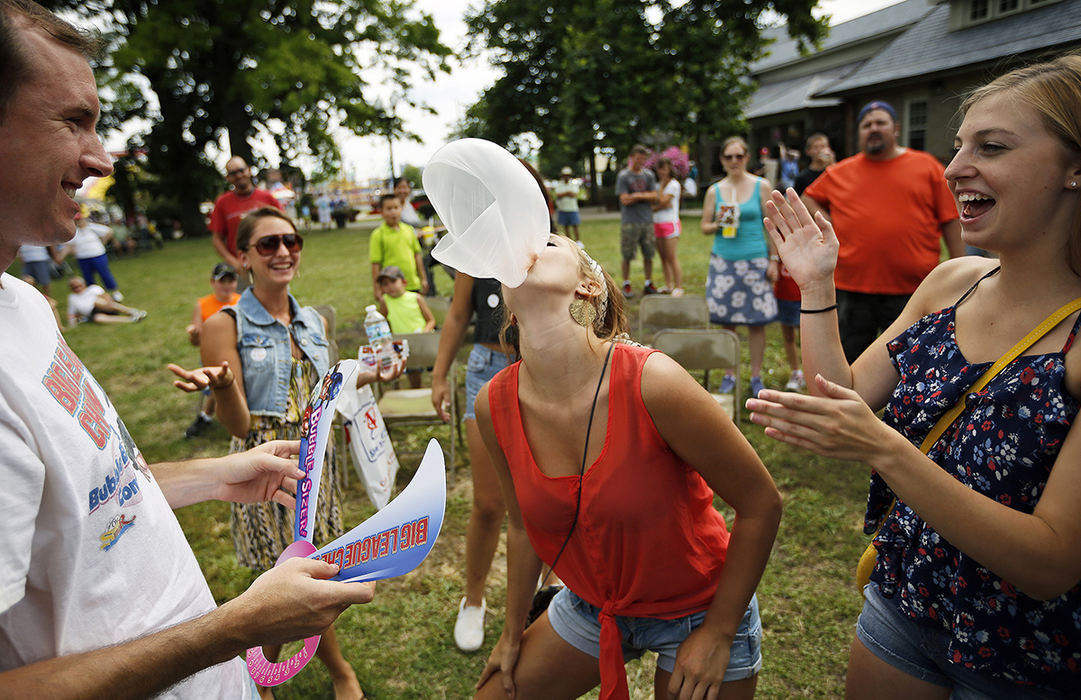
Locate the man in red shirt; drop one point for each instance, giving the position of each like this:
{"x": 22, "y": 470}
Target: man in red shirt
{"x": 890, "y": 208}
{"x": 231, "y": 207}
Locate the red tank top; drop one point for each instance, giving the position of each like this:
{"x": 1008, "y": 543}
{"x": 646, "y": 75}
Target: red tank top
{"x": 648, "y": 542}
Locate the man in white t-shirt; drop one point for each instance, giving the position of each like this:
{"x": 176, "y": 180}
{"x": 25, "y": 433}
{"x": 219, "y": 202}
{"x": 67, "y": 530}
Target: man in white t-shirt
{"x": 566, "y": 196}
{"x": 100, "y": 594}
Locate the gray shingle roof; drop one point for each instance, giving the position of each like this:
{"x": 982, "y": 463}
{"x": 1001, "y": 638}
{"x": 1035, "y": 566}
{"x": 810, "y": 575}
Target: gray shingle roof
{"x": 795, "y": 93}
{"x": 785, "y": 49}
{"x": 930, "y": 47}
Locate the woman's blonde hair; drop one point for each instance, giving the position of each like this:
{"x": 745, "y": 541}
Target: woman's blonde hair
{"x": 1053, "y": 90}
{"x": 735, "y": 139}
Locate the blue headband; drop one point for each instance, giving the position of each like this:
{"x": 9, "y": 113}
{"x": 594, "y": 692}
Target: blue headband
{"x": 877, "y": 104}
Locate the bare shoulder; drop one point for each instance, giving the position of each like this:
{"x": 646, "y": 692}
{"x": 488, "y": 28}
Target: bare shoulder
{"x": 664, "y": 381}
{"x": 945, "y": 284}
{"x": 220, "y": 322}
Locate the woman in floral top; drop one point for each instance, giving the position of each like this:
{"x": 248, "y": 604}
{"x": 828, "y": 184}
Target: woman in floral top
{"x": 975, "y": 589}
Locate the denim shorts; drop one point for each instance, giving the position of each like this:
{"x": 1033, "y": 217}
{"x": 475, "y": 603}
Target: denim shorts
{"x": 788, "y": 312}
{"x": 568, "y": 218}
{"x": 921, "y": 651}
{"x": 575, "y": 621}
{"x": 484, "y": 363}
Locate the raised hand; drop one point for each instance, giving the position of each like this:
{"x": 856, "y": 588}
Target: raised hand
{"x": 807, "y": 246}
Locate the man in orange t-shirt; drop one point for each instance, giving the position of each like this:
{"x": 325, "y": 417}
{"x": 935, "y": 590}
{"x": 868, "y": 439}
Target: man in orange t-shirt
{"x": 890, "y": 208}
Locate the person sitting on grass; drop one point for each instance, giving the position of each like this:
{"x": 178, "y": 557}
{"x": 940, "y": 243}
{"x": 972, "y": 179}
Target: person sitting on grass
{"x": 91, "y": 303}
{"x": 406, "y": 311}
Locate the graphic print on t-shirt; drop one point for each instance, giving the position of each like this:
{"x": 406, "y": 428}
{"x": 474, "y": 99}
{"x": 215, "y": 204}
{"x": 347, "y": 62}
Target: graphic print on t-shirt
{"x": 73, "y": 387}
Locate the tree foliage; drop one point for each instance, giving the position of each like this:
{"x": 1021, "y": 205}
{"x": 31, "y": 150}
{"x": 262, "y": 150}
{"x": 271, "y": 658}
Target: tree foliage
{"x": 610, "y": 73}
{"x": 238, "y": 69}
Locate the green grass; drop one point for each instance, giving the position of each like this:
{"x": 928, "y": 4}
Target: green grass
{"x": 400, "y": 644}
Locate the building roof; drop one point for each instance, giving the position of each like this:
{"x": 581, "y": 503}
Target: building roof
{"x": 930, "y": 47}
{"x": 785, "y": 50}
{"x": 795, "y": 93}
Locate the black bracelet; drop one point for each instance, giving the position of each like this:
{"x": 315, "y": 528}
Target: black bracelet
{"x": 823, "y": 310}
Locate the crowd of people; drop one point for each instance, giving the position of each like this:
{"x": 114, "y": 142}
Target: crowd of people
{"x": 604, "y": 455}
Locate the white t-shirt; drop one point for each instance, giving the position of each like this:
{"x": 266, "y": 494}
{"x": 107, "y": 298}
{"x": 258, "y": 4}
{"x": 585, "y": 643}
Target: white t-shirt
{"x": 566, "y": 203}
{"x": 87, "y": 240}
{"x": 410, "y": 215}
{"x": 670, "y": 214}
{"x": 82, "y": 303}
{"x": 33, "y": 253}
{"x": 93, "y": 555}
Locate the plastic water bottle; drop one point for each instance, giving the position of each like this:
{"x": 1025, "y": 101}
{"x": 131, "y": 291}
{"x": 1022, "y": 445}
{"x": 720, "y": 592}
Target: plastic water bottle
{"x": 378, "y": 330}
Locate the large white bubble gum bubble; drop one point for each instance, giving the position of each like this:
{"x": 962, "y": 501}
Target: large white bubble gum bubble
{"x": 496, "y": 216}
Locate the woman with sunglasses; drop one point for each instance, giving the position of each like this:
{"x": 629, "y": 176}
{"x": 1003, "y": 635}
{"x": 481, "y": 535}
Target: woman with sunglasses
{"x": 609, "y": 455}
{"x": 281, "y": 350}
{"x": 743, "y": 265}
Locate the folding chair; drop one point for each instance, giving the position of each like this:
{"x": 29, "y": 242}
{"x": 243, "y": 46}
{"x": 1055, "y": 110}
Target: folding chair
{"x": 327, "y": 311}
{"x": 661, "y": 311}
{"x": 705, "y": 349}
{"x": 414, "y": 406}
{"x": 439, "y": 306}
{"x": 337, "y": 434}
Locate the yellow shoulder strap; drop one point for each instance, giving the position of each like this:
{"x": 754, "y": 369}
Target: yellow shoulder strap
{"x": 1035, "y": 334}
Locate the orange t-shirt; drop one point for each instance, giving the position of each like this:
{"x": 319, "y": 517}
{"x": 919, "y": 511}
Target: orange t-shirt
{"x": 209, "y": 305}
{"x": 887, "y": 215}
{"x": 648, "y": 542}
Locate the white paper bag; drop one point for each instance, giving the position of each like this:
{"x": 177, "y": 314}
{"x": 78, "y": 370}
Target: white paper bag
{"x": 369, "y": 443}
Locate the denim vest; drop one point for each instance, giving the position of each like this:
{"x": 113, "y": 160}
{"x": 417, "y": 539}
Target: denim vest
{"x": 265, "y": 355}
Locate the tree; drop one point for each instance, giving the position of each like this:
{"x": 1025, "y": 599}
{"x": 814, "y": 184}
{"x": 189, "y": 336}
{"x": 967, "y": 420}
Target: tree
{"x": 612, "y": 72}
{"x": 292, "y": 71}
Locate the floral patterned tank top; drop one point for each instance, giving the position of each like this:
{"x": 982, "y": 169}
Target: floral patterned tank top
{"x": 1004, "y": 446}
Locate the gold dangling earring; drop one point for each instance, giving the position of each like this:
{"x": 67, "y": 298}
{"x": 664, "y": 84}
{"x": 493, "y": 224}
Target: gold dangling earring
{"x": 583, "y": 312}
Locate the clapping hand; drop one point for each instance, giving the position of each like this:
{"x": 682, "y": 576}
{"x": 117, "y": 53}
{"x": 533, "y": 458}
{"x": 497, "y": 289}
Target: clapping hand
{"x": 807, "y": 246}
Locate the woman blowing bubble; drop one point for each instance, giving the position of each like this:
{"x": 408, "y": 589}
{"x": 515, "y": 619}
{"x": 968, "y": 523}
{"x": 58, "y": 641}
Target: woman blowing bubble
{"x": 975, "y": 588}
{"x": 609, "y": 455}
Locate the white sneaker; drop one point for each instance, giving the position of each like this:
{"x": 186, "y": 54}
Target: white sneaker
{"x": 469, "y": 628}
{"x": 796, "y": 382}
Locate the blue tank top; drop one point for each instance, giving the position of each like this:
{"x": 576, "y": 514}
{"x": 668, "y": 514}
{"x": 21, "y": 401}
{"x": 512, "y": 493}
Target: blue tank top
{"x": 750, "y": 240}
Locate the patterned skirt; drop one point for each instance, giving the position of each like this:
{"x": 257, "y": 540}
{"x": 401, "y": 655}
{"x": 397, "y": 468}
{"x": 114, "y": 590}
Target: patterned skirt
{"x": 738, "y": 292}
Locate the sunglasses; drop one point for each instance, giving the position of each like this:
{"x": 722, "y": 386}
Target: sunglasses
{"x": 734, "y": 156}
{"x": 268, "y": 245}
{"x": 239, "y": 171}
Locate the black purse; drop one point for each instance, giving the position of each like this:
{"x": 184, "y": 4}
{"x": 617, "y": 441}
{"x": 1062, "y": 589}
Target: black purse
{"x": 544, "y": 594}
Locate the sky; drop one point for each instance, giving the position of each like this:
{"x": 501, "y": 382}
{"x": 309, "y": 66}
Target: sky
{"x": 450, "y": 95}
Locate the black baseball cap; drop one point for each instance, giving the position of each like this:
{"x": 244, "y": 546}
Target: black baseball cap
{"x": 392, "y": 272}
{"x": 223, "y": 270}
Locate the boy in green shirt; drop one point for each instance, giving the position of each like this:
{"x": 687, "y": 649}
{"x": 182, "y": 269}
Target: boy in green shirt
{"x": 395, "y": 243}
{"x": 406, "y": 312}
